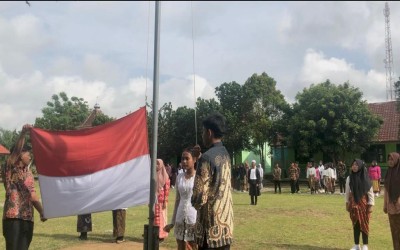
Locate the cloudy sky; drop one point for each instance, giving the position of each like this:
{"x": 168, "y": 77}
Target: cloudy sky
{"x": 104, "y": 51}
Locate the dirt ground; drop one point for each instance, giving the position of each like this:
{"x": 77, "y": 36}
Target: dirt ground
{"x": 131, "y": 245}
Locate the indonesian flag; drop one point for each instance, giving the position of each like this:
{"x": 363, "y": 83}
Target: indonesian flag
{"x": 91, "y": 170}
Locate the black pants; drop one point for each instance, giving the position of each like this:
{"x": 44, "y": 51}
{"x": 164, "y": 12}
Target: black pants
{"x": 293, "y": 186}
{"x": 18, "y": 234}
{"x": 357, "y": 232}
{"x": 342, "y": 184}
{"x": 297, "y": 186}
{"x": 277, "y": 184}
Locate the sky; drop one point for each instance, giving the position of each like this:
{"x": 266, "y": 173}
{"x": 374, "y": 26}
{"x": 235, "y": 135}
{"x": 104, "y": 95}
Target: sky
{"x": 103, "y": 52}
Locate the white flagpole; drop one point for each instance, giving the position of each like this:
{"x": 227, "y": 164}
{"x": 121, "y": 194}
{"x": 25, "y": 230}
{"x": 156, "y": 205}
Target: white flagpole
{"x": 152, "y": 234}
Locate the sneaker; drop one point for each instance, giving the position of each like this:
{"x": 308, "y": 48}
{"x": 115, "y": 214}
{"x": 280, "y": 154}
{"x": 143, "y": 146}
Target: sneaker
{"x": 120, "y": 241}
{"x": 356, "y": 247}
{"x": 365, "y": 247}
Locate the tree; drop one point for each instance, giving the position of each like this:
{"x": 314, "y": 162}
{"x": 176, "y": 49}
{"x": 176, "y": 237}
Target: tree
{"x": 332, "y": 119}
{"x": 264, "y": 107}
{"x": 63, "y": 113}
{"x": 230, "y": 96}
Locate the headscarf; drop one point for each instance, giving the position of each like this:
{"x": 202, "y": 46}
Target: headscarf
{"x": 162, "y": 176}
{"x": 360, "y": 183}
{"x": 392, "y": 178}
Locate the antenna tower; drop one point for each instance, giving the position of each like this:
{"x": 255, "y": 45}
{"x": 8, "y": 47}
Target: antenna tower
{"x": 389, "y": 55}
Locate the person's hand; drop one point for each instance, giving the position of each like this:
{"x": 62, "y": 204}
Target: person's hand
{"x": 42, "y": 218}
{"x": 26, "y": 128}
{"x": 369, "y": 209}
{"x": 168, "y": 227}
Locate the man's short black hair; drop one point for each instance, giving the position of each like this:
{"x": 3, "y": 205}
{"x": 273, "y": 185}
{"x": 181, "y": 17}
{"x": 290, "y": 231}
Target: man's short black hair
{"x": 215, "y": 122}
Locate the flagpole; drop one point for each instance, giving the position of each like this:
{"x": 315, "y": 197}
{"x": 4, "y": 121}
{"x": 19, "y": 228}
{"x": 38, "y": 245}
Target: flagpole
{"x": 152, "y": 233}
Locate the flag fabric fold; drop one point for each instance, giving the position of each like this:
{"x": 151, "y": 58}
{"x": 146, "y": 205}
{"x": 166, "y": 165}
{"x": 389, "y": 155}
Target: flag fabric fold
{"x": 95, "y": 169}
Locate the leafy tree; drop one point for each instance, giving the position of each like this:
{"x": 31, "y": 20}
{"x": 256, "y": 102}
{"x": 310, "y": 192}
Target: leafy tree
{"x": 230, "y": 96}
{"x": 63, "y": 113}
{"x": 332, "y": 119}
{"x": 264, "y": 107}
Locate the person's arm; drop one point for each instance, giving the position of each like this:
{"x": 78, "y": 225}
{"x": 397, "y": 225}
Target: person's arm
{"x": 18, "y": 145}
{"x": 347, "y": 194}
{"x": 385, "y": 201}
{"x": 34, "y": 198}
{"x": 201, "y": 183}
{"x": 168, "y": 227}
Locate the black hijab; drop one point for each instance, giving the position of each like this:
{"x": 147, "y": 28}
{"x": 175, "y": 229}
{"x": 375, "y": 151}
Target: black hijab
{"x": 360, "y": 183}
{"x": 392, "y": 178}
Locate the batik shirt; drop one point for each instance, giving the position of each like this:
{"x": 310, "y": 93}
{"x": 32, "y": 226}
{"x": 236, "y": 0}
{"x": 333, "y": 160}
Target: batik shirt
{"x": 212, "y": 198}
{"x": 19, "y": 184}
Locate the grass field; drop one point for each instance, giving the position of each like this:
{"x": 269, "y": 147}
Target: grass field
{"x": 279, "y": 221}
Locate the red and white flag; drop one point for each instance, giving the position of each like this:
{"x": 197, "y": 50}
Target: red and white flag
{"x": 96, "y": 169}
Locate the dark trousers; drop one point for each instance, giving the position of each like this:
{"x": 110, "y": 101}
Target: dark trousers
{"x": 342, "y": 184}
{"x": 206, "y": 247}
{"x": 277, "y": 184}
{"x": 357, "y": 231}
{"x": 297, "y": 186}
{"x": 18, "y": 234}
{"x": 293, "y": 186}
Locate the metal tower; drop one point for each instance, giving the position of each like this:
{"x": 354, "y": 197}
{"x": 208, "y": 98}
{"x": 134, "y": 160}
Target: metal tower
{"x": 389, "y": 55}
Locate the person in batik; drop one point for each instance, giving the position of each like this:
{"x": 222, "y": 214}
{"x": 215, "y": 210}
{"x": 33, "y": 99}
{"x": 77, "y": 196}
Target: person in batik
{"x": 359, "y": 202}
{"x": 162, "y": 192}
{"x": 391, "y": 201}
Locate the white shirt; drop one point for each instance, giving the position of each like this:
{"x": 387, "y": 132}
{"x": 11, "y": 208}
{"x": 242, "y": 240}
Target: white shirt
{"x": 311, "y": 171}
{"x": 185, "y": 210}
{"x": 253, "y": 175}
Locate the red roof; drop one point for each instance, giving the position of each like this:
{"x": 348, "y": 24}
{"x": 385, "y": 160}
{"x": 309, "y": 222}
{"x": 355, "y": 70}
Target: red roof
{"x": 3, "y": 150}
{"x": 389, "y": 130}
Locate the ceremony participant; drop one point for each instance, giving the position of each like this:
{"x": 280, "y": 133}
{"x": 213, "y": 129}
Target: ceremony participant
{"x": 84, "y": 225}
{"x": 293, "y": 175}
{"x": 119, "y": 217}
{"x": 212, "y": 196}
{"x": 374, "y": 172}
{"x": 277, "y": 177}
{"x": 391, "y": 202}
{"x": 254, "y": 178}
{"x": 261, "y": 170}
{"x": 21, "y": 196}
{"x": 341, "y": 172}
{"x": 184, "y": 215}
{"x": 359, "y": 202}
{"x": 162, "y": 192}
{"x": 311, "y": 177}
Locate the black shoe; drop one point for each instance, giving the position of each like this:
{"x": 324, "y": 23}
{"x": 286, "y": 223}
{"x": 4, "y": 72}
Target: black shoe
{"x": 83, "y": 236}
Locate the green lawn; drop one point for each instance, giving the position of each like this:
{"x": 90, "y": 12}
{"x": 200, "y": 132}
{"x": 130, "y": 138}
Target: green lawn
{"x": 279, "y": 221}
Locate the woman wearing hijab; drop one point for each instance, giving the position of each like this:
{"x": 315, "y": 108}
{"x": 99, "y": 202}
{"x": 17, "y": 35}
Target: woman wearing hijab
{"x": 391, "y": 203}
{"x": 359, "y": 202}
{"x": 162, "y": 193}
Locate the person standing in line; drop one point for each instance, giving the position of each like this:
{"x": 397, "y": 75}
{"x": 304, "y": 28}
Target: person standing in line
{"x": 184, "y": 215}
{"x": 277, "y": 174}
{"x": 254, "y": 183}
{"x": 333, "y": 179}
{"x": 311, "y": 177}
{"x": 374, "y": 172}
{"x": 293, "y": 173}
{"x": 391, "y": 201}
{"x": 341, "y": 172}
{"x": 261, "y": 170}
{"x": 246, "y": 180}
{"x": 212, "y": 195}
{"x": 21, "y": 197}
{"x": 317, "y": 178}
{"x": 168, "y": 168}
{"x": 84, "y": 225}
{"x": 162, "y": 192}
{"x": 359, "y": 202}
{"x": 119, "y": 218}
{"x": 321, "y": 169}
{"x": 296, "y": 164}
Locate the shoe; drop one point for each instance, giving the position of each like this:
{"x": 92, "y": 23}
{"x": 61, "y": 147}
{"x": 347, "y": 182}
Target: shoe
{"x": 356, "y": 247}
{"x": 120, "y": 241}
{"x": 83, "y": 236}
{"x": 364, "y": 247}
